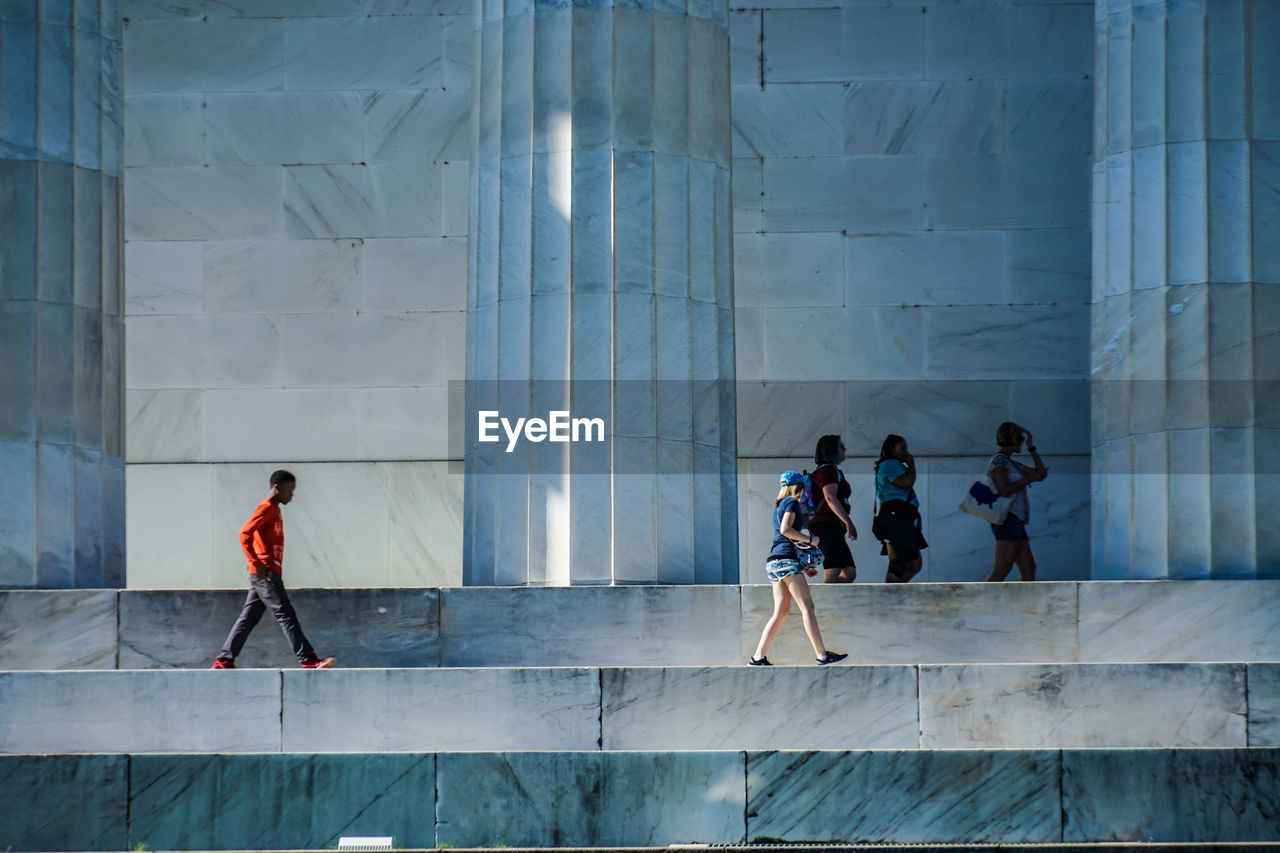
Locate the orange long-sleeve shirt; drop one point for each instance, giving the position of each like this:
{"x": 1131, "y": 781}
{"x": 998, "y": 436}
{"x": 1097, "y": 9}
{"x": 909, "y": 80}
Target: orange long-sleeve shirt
{"x": 262, "y": 537}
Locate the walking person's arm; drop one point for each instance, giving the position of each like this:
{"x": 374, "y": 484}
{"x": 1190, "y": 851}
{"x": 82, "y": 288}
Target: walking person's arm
{"x": 907, "y": 480}
{"x": 788, "y": 529}
{"x": 1040, "y": 470}
{"x": 830, "y": 493}
{"x": 252, "y": 546}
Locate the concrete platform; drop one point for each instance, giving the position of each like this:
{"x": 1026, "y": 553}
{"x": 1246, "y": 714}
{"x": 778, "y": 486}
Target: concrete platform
{"x": 448, "y": 710}
{"x": 640, "y": 799}
{"x": 1063, "y": 622}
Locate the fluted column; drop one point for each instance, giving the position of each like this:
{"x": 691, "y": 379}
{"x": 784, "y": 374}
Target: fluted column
{"x": 1186, "y": 308}
{"x": 601, "y": 284}
{"x": 61, "y": 330}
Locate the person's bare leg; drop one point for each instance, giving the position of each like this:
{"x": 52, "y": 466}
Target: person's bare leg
{"x": 890, "y": 576}
{"x": 1006, "y": 553}
{"x": 781, "y": 607}
{"x": 913, "y": 569}
{"x": 845, "y": 575}
{"x": 800, "y": 590}
{"x": 1026, "y": 561}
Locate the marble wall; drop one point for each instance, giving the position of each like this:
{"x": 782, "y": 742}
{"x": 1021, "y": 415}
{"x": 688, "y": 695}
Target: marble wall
{"x": 61, "y": 326}
{"x": 297, "y": 245}
{"x": 577, "y": 799}
{"x": 684, "y": 625}
{"x": 296, "y": 188}
{"x": 619, "y": 709}
{"x": 912, "y": 256}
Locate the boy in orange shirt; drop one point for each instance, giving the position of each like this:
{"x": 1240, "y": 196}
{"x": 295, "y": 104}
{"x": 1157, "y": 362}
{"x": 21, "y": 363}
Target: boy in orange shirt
{"x": 262, "y": 539}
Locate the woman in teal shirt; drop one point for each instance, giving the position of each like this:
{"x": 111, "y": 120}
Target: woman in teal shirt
{"x": 897, "y": 522}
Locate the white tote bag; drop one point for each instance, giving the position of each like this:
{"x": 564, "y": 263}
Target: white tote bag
{"x": 982, "y": 499}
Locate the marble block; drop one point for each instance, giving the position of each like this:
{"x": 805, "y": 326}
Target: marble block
{"x": 924, "y": 117}
{"x": 162, "y": 629}
{"x": 65, "y": 802}
{"x": 788, "y": 120}
{"x": 169, "y": 56}
{"x": 568, "y": 799}
{"x": 400, "y": 52}
{"x": 164, "y": 277}
{"x": 442, "y": 710}
{"x": 876, "y": 344}
{"x": 416, "y": 274}
{"x": 282, "y": 277}
{"x": 1264, "y": 704}
{"x": 250, "y": 128}
{"x": 261, "y": 802}
{"x": 196, "y": 203}
{"x": 1082, "y": 705}
{"x": 133, "y": 711}
{"x": 425, "y": 520}
{"x": 417, "y": 125}
{"x": 812, "y": 408}
{"x": 366, "y": 350}
{"x": 63, "y": 629}
{"x": 816, "y": 45}
{"x": 1148, "y": 621}
{"x": 966, "y": 796}
{"x": 175, "y": 554}
{"x": 927, "y": 268}
{"x": 382, "y": 200}
{"x": 844, "y": 193}
{"x": 746, "y": 708}
{"x": 164, "y": 130}
{"x": 788, "y": 270}
{"x": 925, "y": 623}
{"x": 610, "y": 626}
{"x": 1167, "y": 795}
{"x": 203, "y": 351}
{"x": 1053, "y": 342}
{"x": 1049, "y": 265}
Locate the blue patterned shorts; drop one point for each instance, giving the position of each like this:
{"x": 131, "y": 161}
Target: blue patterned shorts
{"x": 779, "y": 569}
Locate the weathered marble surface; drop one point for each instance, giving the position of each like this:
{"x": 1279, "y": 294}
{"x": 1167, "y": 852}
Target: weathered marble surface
{"x": 1070, "y": 706}
{"x": 493, "y": 626}
{"x": 1264, "y": 704}
{"x": 362, "y": 627}
{"x": 598, "y": 800}
{"x": 444, "y": 710}
{"x": 65, "y": 712}
{"x": 963, "y": 796}
{"x": 917, "y": 623}
{"x": 57, "y": 802}
{"x": 1197, "y": 795}
{"x": 257, "y": 802}
{"x": 58, "y": 629}
{"x": 746, "y": 708}
{"x": 1219, "y": 620}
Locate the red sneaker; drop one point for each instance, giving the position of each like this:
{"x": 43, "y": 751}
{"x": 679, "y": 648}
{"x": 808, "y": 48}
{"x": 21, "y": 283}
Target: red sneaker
{"x": 319, "y": 663}
{"x": 223, "y": 664}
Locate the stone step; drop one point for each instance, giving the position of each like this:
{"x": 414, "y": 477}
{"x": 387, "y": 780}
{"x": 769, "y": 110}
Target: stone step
{"x": 1062, "y": 622}
{"x": 953, "y": 706}
{"x": 646, "y": 799}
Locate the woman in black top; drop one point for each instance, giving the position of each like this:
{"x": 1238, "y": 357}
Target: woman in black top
{"x": 830, "y": 521}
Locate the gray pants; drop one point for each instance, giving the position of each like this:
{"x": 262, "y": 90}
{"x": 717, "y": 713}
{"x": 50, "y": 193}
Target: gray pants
{"x": 267, "y": 594}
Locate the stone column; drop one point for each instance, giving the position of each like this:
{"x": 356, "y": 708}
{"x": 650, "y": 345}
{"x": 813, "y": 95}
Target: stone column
{"x": 1186, "y": 308}
{"x": 61, "y": 333}
{"x": 600, "y": 283}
